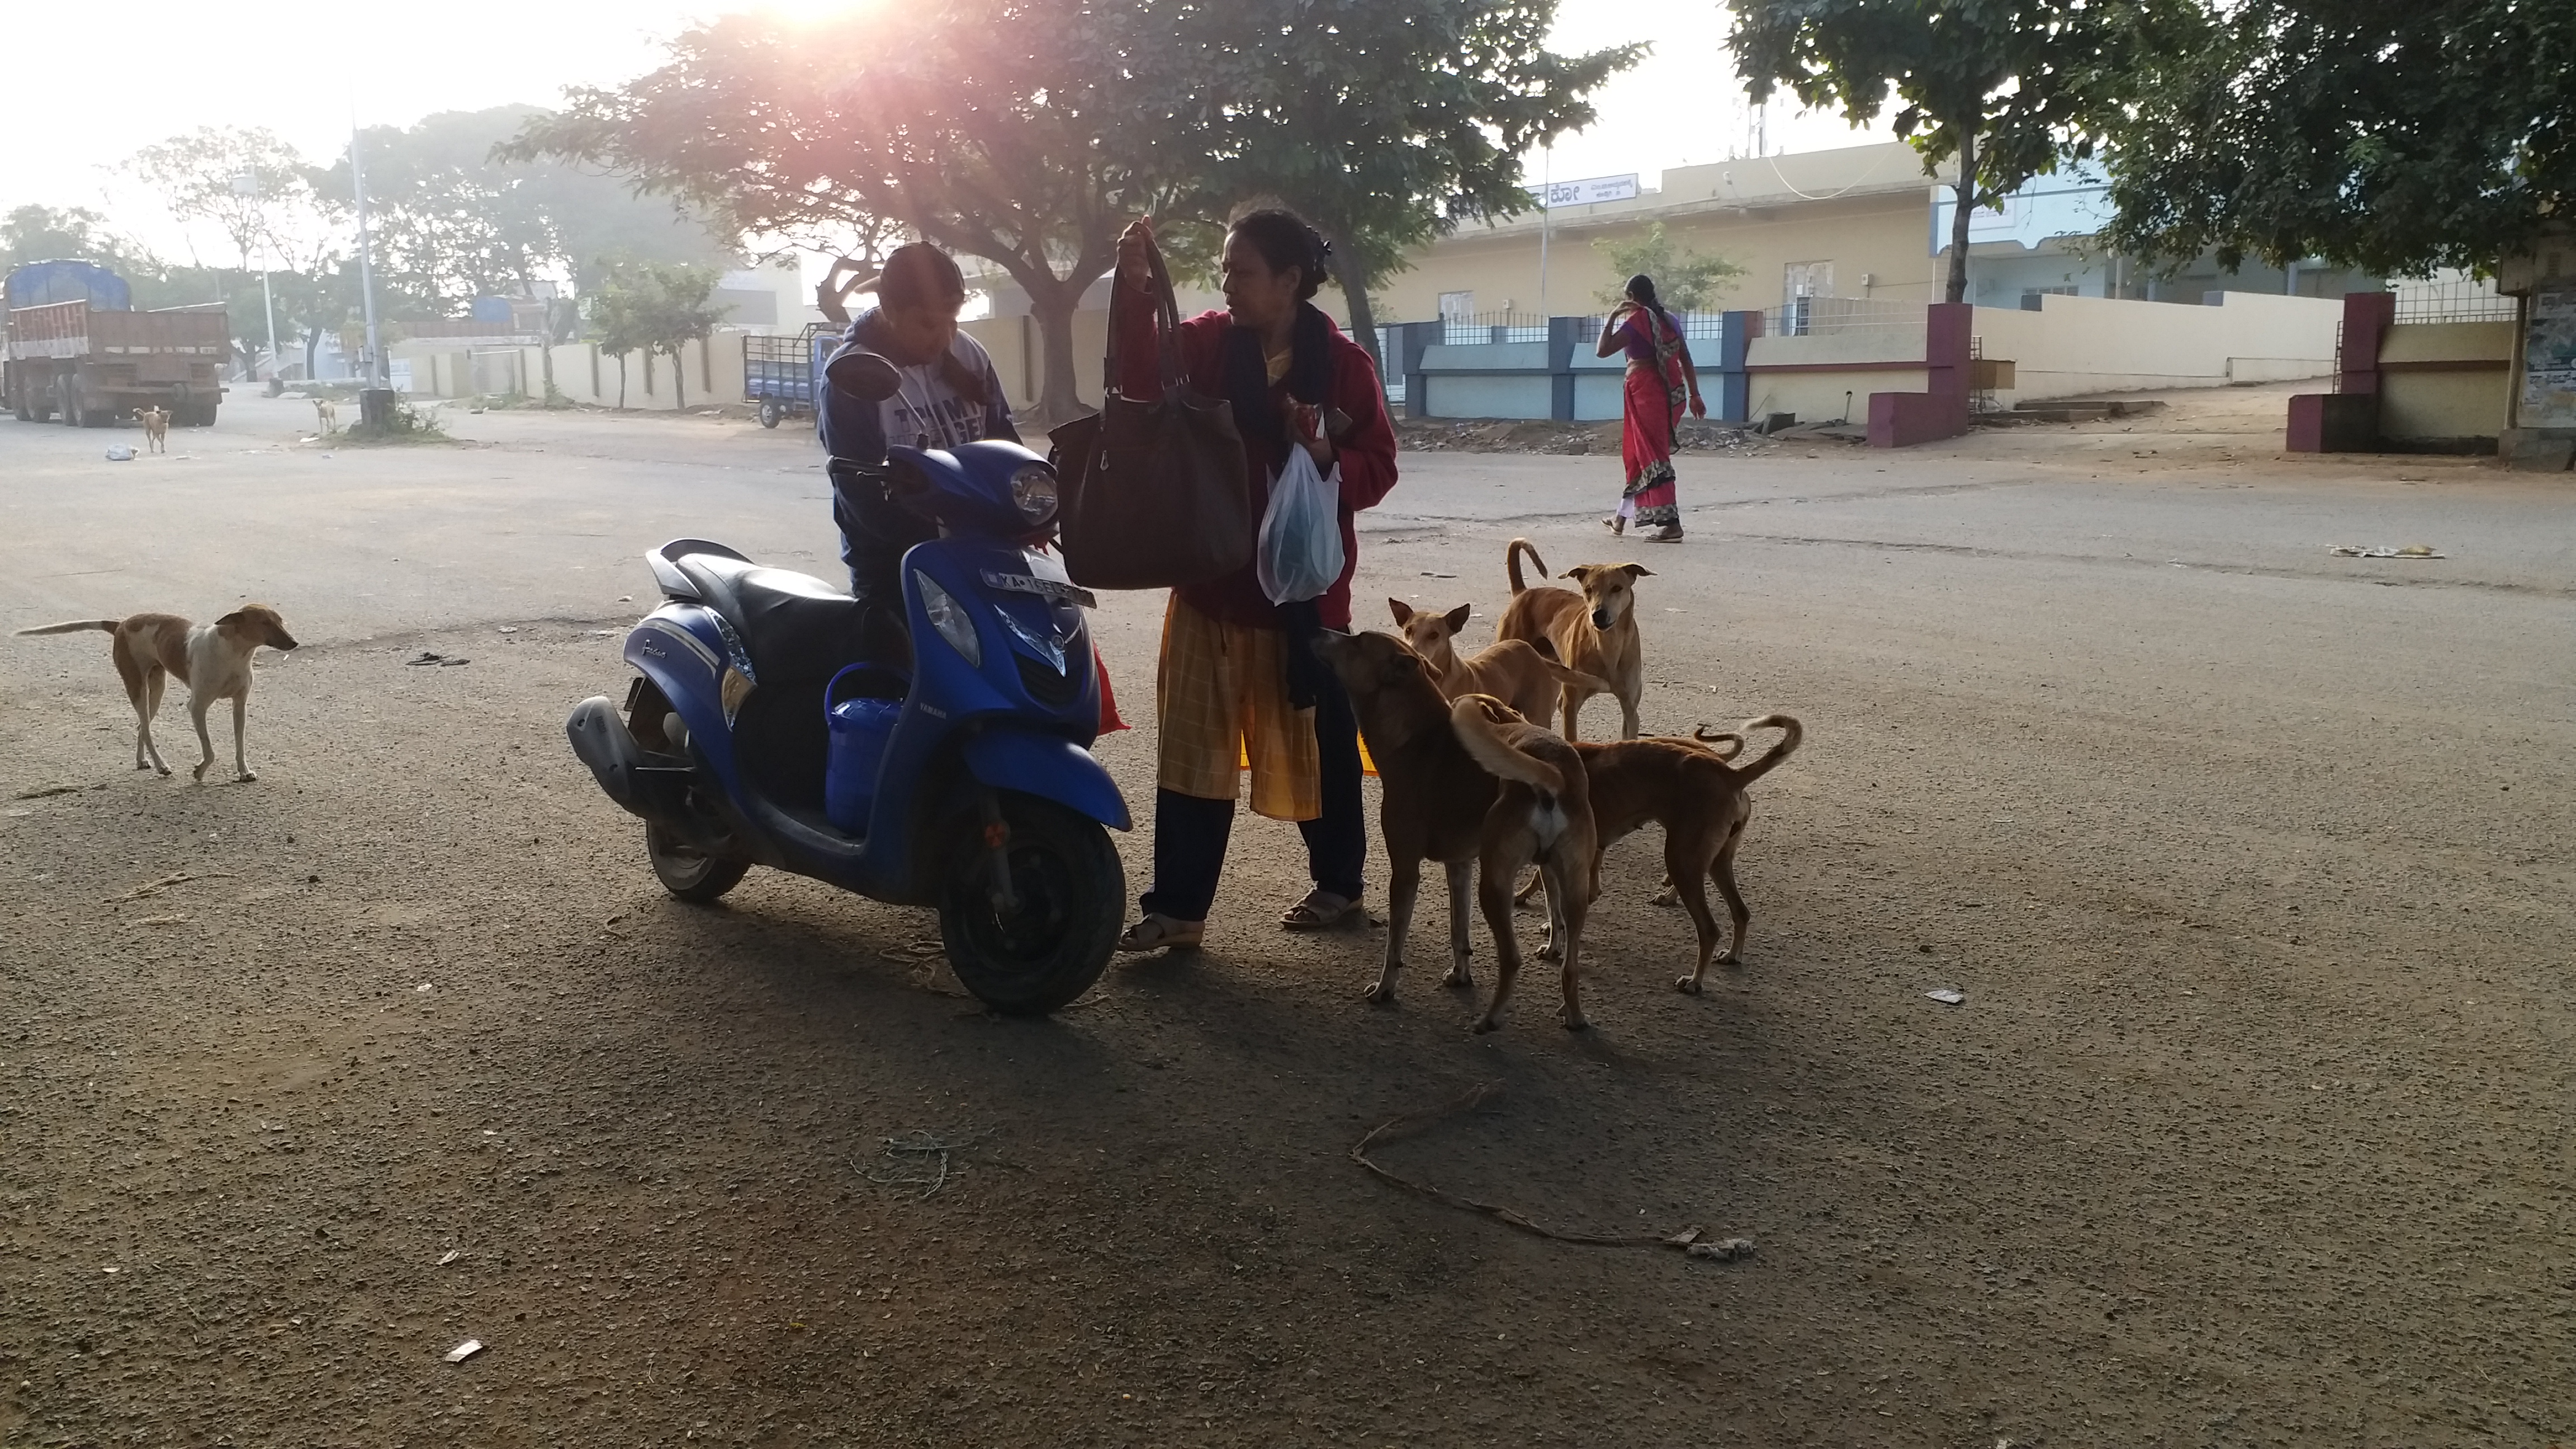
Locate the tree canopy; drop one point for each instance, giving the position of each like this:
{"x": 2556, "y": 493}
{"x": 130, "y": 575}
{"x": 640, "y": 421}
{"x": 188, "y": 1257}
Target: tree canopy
{"x": 245, "y": 180}
{"x": 1686, "y": 280}
{"x": 2004, "y": 88}
{"x": 43, "y": 233}
{"x": 2392, "y": 137}
{"x": 1383, "y": 122}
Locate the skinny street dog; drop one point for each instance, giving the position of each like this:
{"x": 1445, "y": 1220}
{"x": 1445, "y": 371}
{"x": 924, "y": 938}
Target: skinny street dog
{"x": 213, "y": 660}
{"x": 1510, "y": 670}
{"x": 156, "y": 428}
{"x": 1593, "y": 633}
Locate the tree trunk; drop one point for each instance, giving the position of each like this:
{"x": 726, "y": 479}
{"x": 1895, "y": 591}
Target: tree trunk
{"x": 1053, "y": 307}
{"x": 1355, "y": 296}
{"x": 546, "y": 360}
{"x": 679, "y": 379}
{"x": 621, "y": 382}
{"x": 1966, "y": 192}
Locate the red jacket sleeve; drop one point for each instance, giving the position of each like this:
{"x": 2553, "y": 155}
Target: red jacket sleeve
{"x": 1138, "y": 339}
{"x": 1367, "y": 456}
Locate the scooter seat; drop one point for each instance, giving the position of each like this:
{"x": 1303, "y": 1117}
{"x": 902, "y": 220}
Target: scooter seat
{"x": 796, "y": 628}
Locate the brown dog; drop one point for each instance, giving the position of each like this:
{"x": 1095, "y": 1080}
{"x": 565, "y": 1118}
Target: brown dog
{"x": 1508, "y": 669}
{"x": 213, "y": 660}
{"x": 156, "y": 428}
{"x": 1699, "y": 799}
{"x": 1594, "y": 632}
{"x": 327, "y": 413}
{"x": 1462, "y": 790}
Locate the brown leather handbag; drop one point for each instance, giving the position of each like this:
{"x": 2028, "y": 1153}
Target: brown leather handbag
{"x": 1155, "y": 491}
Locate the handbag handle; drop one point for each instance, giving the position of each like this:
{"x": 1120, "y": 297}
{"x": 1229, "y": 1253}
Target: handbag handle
{"x": 1167, "y": 318}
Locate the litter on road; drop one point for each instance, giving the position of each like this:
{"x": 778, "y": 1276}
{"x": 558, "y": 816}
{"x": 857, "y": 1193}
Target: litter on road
{"x": 1947, "y": 995}
{"x": 465, "y": 1350}
{"x": 2382, "y": 550}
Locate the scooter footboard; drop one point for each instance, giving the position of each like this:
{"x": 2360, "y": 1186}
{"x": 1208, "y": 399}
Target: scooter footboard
{"x": 1050, "y": 768}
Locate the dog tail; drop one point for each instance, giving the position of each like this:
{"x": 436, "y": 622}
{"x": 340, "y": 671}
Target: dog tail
{"x": 1790, "y": 733}
{"x": 104, "y": 626}
{"x": 1725, "y": 744}
{"x": 1512, "y": 562}
{"x": 1485, "y": 744}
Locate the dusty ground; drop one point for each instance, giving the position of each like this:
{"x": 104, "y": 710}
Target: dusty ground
{"x": 2253, "y": 862}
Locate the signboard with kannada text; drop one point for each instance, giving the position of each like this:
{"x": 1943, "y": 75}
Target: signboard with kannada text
{"x": 1590, "y": 190}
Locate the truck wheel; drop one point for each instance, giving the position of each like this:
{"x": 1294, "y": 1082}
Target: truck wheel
{"x": 72, "y": 416}
{"x": 1069, "y": 893}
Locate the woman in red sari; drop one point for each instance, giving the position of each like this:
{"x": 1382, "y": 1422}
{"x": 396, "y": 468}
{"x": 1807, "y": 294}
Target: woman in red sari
{"x": 1660, "y": 379}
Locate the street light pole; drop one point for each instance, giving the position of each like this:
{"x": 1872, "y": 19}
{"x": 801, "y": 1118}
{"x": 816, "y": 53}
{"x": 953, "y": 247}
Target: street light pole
{"x": 247, "y": 185}
{"x": 366, "y": 265}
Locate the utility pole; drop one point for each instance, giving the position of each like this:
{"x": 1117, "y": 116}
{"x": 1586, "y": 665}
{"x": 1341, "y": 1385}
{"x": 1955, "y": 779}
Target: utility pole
{"x": 1547, "y": 175}
{"x": 246, "y": 186}
{"x": 366, "y": 265}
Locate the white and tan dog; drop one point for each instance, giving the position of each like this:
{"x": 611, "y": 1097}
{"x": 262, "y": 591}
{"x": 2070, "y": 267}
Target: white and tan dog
{"x": 329, "y": 414}
{"x": 213, "y": 660}
{"x": 156, "y": 428}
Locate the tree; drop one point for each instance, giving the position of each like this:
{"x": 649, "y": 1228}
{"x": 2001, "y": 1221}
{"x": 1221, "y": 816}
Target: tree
{"x": 246, "y": 181}
{"x": 2004, "y": 88}
{"x": 451, "y": 222}
{"x": 1384, "y": 122}
{"x": 41, "y": 233}
{"x": 654, "y": 307}
{"x": 1003, "y": 129}
{"x": 2395, "y": 138}
{"x": 1685, "y": 281}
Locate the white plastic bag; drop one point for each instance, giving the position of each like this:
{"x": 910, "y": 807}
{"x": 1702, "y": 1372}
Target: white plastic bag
{"x": 1301, "y": 532}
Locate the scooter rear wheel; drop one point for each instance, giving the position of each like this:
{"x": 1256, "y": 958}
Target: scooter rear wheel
{"x": 1070, "y": 893}
{"x": 689, "y": 874}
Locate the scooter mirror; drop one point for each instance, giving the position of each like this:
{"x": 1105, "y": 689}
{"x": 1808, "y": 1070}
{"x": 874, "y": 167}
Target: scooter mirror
{"x": 863, "y": 375}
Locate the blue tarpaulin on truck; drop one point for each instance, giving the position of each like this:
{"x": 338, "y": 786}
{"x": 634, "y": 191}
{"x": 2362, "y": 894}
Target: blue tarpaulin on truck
{"x": 38, "y": 284}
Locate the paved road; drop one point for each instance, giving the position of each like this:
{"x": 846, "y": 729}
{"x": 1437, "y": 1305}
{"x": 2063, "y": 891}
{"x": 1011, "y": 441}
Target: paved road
{"x": 2253, "y": 862}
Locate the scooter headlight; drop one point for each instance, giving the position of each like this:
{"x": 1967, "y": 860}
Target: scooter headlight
{"x": 950, "y": 620}
{"x": 1033, "y": 489}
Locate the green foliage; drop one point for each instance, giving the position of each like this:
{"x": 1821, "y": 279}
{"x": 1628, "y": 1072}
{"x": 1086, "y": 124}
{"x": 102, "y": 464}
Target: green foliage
{"x": 405, "y": 424}
{"x": 653, "y": 307}
{"x": 1685, "y": 280}
{"x": 43, "y": 234}
{"x": 2396, "y": 138}
{"x": 450, "y": 222}
{"x": 1383, "y": 122}
{"x": 2003, "y": 87}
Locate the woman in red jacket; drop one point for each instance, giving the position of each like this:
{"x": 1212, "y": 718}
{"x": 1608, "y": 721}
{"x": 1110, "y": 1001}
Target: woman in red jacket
{"x": 1239, "y": 677}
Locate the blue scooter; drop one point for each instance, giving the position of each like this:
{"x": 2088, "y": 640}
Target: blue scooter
{"x": 959, "y": 779}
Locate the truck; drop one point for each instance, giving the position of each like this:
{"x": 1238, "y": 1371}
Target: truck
{"x": 778, "y": 372}
{"x": 75, "y": 347}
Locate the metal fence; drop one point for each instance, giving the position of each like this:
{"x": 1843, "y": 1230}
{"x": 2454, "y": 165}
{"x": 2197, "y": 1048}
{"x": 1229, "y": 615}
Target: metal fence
{"x": 1695, "y": 325}
{"x": 2454, "y": 301}
{"x": 1821, "y": 316}
{"x": 1493, "y": 328}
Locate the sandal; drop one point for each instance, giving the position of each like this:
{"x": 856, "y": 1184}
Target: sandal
{"x": 1162, "y": 933}
{"x": 1617, "y": 523}
{"x": 1321, "y": 910}
{"x": 1669, "y": 533}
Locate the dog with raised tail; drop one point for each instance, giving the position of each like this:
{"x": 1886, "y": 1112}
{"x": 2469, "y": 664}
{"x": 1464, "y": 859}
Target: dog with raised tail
{"x": 1464, "y": 796}
{"x": 156, "y": 428}
{"x": 213, "y": 660}
{"x": 1593, "y": 633}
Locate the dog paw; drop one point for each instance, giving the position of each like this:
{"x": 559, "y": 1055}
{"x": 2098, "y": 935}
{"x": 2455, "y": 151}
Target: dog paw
{"x": 245, "y": 778}
{"x": 1485, "y": 1024}
{"x": 1666, "y": 897}
{"x": 1459, "y": 978}
{"x": 1687, "y": 986}
{"x": 1550, "y": 952}
{"x": 1379, "y": 995}
{"x": 1574, "y": 1022}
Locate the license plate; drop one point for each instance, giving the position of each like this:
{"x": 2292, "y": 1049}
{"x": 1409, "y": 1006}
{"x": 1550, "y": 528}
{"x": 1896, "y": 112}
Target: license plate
{"x": 1043, "y": 588}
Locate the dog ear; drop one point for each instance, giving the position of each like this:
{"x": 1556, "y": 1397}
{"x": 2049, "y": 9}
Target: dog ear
{"x": 1637, "y": 571}
{"x": 1403, "y": 611}
{"x": 1457, "y": 617}
{"x": 232, "y": 620}
{"x": 1580, "y": 573}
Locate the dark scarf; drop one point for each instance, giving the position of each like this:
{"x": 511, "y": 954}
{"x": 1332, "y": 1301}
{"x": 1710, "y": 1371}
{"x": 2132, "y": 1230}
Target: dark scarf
{"x": 1256, "y": 417}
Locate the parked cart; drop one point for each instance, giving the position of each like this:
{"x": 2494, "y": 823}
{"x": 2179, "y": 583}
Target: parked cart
{"x": 778, "y": 372}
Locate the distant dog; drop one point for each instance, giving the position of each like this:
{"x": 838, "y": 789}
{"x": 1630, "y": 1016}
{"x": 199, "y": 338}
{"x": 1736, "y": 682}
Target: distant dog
{"x": 1464, "y": 791}
{"x": 213, "y": 660}
{"x": 156, "y": 428}
{"x": 329, "y": 412}
{"x": 1594, "y": 632}
{"x": 1508, "y": 669}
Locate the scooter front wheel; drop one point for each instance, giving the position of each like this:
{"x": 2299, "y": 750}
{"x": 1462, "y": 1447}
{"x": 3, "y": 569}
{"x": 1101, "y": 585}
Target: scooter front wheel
{"x": 1050, "y": 940}
{"x": 692, "y": 875}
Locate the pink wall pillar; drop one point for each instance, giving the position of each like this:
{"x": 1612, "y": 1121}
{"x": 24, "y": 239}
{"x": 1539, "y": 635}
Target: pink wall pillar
{"x": 1902, "y": 419}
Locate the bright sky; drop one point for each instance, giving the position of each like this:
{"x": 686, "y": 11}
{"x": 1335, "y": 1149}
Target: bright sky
{"x": 165, "y": 67}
